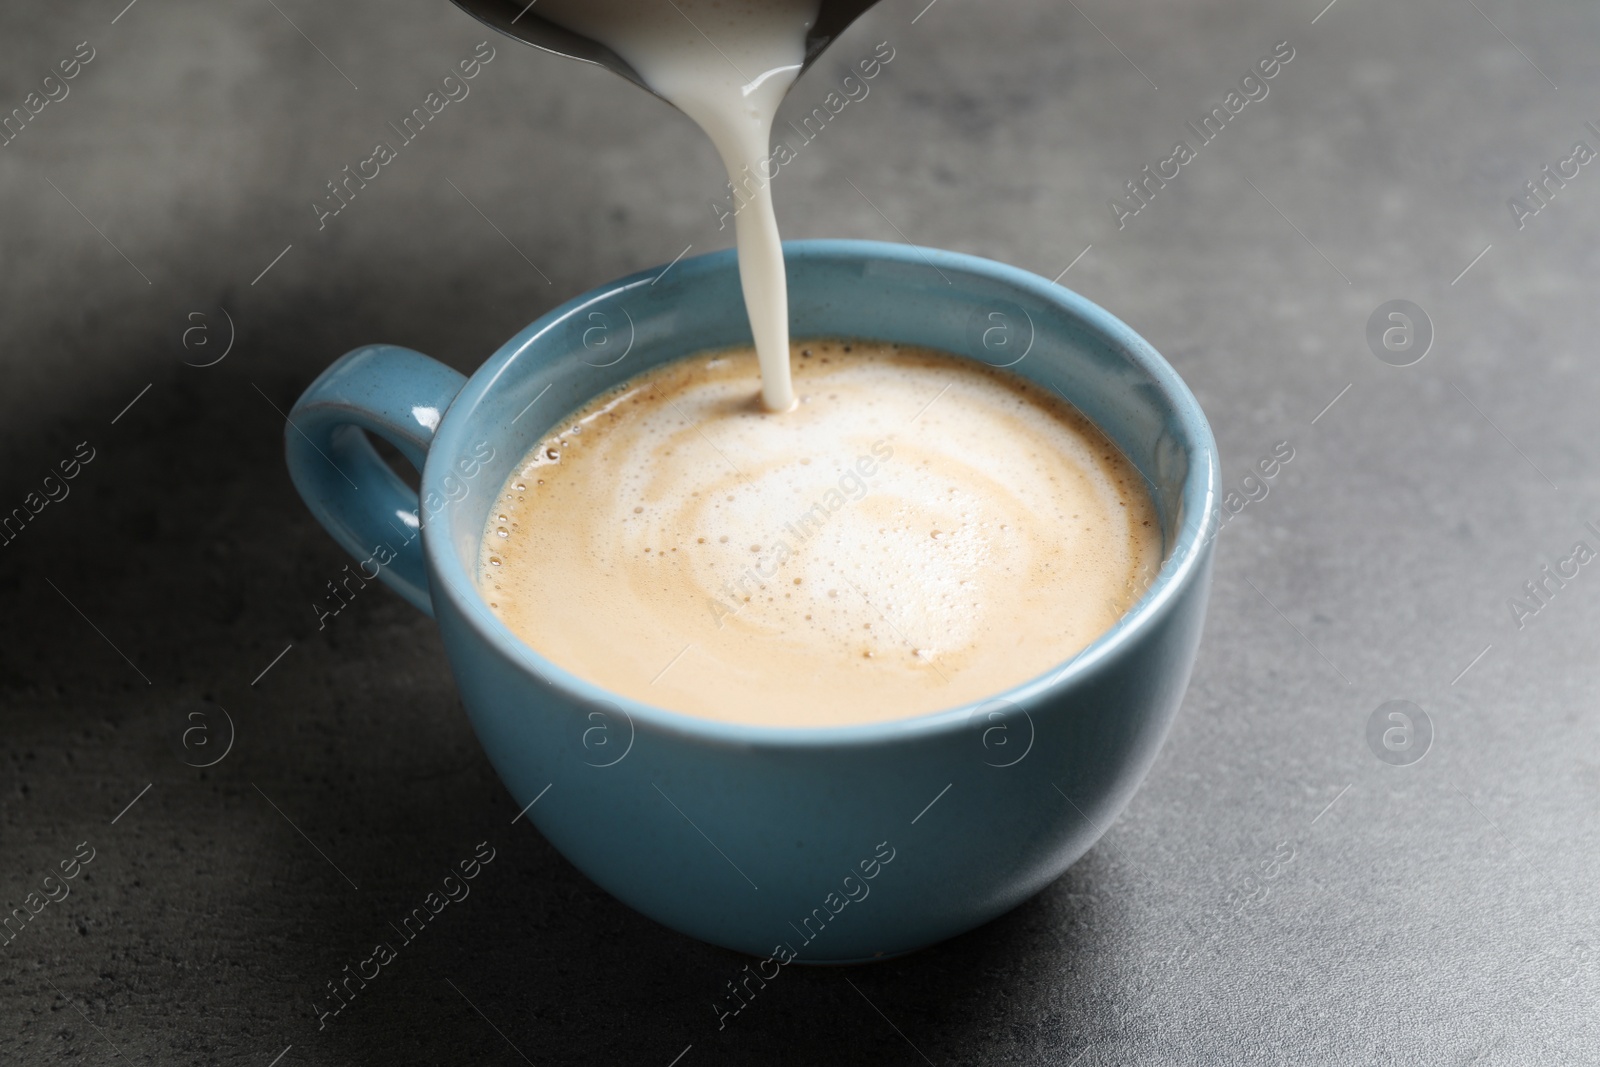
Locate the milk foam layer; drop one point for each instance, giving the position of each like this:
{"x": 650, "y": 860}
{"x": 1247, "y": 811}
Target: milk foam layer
{"x": 919, "y": 533}
{"x": 727, "y": 65}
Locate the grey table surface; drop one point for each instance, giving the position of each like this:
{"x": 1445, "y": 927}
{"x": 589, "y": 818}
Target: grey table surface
{"x": 1274, "y": 893}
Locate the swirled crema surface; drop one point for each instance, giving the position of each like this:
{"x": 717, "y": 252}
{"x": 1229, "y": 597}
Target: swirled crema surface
{"x": 919, "y": 533}
{"x": 727, "y": 65}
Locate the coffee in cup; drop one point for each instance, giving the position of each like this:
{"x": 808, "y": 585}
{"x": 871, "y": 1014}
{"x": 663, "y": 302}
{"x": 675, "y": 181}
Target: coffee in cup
{"x": 919, "y": 533}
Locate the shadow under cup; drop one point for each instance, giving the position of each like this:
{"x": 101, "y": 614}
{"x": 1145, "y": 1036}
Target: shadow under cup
{"x": 808, "y": 844}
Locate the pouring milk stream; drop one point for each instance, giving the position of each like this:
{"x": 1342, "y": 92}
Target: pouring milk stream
{"x": 727, "y": 64}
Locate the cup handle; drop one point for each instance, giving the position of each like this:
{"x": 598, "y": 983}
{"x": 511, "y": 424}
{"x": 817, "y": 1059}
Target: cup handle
{"x": 400, "y": 395}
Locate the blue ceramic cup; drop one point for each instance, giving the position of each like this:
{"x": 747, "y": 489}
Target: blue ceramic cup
{"x": 813, "y": 845}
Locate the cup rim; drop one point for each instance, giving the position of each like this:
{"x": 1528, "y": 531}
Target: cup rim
{"x": 1180, "y": 569}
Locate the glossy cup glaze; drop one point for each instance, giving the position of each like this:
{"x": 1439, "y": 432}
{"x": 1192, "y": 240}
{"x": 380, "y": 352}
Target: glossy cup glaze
{"x": 818, "y": 844}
